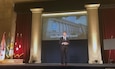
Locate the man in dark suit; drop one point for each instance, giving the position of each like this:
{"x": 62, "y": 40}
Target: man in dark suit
{"x": 64, "y": 43}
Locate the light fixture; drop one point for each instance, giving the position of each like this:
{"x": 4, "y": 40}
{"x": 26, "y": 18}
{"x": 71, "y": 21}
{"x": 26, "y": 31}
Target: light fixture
{"x": 64, "y": 13}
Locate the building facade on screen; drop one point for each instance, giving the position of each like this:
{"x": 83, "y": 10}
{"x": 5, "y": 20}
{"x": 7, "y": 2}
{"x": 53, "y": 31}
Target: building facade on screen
{"x": 74, "y": 25}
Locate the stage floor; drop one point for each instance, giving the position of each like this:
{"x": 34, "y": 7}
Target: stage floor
{"x": 56, "y": 66}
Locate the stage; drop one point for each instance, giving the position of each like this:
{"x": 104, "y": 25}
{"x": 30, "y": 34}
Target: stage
{"x": 56, "y": 66}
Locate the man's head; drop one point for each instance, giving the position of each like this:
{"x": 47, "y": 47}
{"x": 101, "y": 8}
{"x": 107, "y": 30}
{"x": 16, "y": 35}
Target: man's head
{"x": 64, "y": 33}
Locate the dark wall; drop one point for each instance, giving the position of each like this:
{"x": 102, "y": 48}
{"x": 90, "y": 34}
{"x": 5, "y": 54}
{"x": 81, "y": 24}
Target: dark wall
{"x": 54, "y": 6}
{"x": 59, "y": 5}
{"x": 77, "y": 51}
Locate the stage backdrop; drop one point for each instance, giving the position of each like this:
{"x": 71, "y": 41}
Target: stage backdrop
{"x": 50, "y": 48}
{"x": 23, "y": 25}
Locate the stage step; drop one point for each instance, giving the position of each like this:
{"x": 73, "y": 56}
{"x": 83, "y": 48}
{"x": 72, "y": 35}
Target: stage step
{"x": 12, "y": 61}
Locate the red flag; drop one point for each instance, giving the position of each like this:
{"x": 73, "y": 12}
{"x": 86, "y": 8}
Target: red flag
{"x": 16, "y": 46}
{"x": 21, "y": 47}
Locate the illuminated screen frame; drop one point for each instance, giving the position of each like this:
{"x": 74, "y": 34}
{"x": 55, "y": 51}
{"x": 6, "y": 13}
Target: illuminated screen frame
{"x": 50, "y": 31}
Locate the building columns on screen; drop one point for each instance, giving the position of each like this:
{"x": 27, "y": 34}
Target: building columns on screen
{"x": 94, "y": 46}
{"x": 35, "y": 52}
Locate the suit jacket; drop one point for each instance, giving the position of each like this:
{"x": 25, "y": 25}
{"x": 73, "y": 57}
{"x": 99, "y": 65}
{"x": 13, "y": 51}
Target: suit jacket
{"x": 63, "y": 40}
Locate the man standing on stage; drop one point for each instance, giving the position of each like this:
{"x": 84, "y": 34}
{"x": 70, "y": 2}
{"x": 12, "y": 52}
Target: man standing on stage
{"x": 64, "y": 43}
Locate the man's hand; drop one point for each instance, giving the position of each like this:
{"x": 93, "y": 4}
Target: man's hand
{"x": 65, "y": 43}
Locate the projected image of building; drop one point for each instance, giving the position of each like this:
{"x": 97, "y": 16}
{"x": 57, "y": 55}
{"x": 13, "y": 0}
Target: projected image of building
{"x": 53, "y": 28}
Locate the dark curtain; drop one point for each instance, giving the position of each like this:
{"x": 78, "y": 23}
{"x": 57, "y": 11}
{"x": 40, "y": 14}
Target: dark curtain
{"x": 107, "y": 16}
{"x": 108, "y": 22}
{"x": 23, "y": 26}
